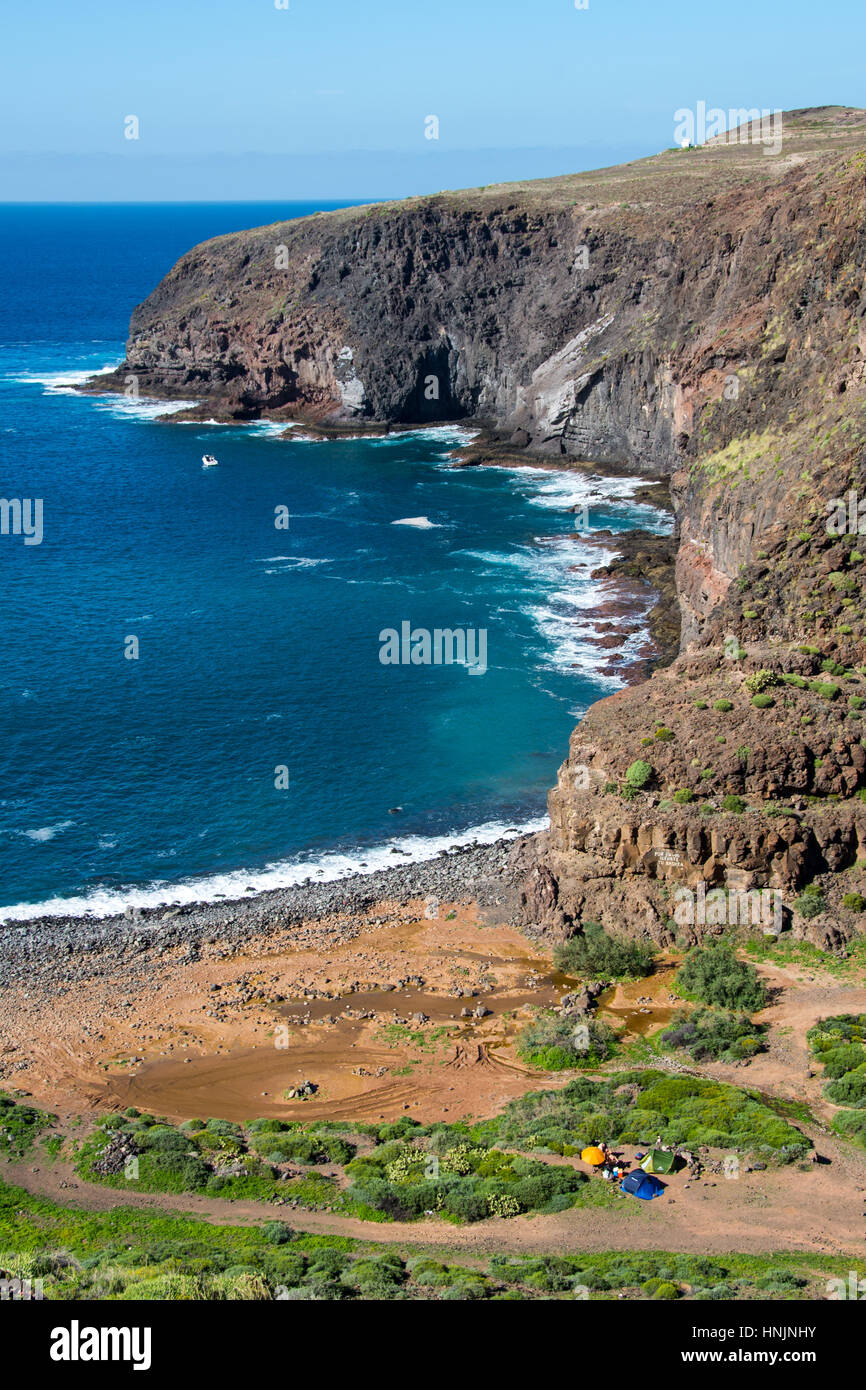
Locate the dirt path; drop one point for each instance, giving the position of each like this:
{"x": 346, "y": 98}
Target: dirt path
{"x": 821, "y": 1210}
{"x": 787, "y": 1069}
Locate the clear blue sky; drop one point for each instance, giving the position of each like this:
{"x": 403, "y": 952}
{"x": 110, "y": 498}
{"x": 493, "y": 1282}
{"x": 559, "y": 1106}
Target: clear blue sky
{"x": 212, "y": 80}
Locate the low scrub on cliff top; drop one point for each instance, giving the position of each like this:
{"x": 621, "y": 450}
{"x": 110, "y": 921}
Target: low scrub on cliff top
{"x": 714, "y": 975}
{"x": 594, "y": 955}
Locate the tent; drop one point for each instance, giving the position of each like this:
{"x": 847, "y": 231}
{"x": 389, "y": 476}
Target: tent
{"x": 642, "y": 1185}
{"x": 660, "y": 1161}
{"x": 593, "y": 1155}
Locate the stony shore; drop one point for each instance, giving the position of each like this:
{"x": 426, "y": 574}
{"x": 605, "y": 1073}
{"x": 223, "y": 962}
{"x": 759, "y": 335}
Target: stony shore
{"x": 69, "y": 948}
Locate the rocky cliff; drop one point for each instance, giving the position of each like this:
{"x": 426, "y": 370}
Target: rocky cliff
{"x": 699, "y": 314}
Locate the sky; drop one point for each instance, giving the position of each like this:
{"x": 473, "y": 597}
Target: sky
{"x": 332, "y": 98}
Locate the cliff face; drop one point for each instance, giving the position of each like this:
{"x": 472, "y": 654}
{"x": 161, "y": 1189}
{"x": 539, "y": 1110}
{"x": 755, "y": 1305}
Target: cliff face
{"x": 701, "y": 314}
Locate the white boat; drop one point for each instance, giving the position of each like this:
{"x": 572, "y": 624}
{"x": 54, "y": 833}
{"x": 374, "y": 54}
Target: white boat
{"x": 208, "y": 461}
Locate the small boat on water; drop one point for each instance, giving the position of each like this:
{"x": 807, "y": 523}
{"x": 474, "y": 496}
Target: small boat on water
{"x": 208, "y": 461}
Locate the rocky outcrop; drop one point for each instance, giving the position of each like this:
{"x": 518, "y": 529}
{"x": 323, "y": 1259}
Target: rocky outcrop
{"x": 699, "y": 314}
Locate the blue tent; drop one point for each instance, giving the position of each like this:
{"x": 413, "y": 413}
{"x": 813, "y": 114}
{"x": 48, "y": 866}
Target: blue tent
{"x": 642, "y": 1185}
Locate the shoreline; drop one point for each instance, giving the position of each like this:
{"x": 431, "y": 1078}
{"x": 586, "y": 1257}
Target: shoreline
{"x": 460, "y": 875}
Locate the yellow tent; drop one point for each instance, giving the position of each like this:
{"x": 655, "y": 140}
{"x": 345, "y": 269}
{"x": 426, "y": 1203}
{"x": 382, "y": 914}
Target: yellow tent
{"x": 593, "y": 1155}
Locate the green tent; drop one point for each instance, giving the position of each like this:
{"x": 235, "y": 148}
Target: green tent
{"x": 659, "y": 1161}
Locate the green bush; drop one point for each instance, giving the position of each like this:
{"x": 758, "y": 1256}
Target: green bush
{"x": 595, "y": 955}
{"x": 723, "y": 706}
{"x": 762, "y": 701}
{"x": 849, "y": 1089}
{"x": 715, "y": 1035}
{"x": 855, "y": 902}
{"x": 663, "y": 734}
{"x": 556, "y": 1043}
{"x": 714, "y": 975}
{"x": 638, "y": 775}
{"x": 826, "y": 689}
{"x": 683, "y": 796}
{"x": 734, "y": 804}
{"x": 811, "y": 902}
{"x": 760, "y": 680}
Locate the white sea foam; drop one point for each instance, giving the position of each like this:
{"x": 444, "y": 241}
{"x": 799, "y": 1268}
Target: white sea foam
{"x": 288, "y": 873}
{"x": 63, "y": 381}
{"x": 138, "y": 407}
{"x": 285, "y": 563}
{"x": 46, "y": 832}
{"x": 423, "y": 523}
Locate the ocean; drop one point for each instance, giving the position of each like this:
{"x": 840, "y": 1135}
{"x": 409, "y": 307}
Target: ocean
{"x": 192, "y": 700}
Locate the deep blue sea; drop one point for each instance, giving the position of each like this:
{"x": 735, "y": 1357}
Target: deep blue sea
{"x": 156, "y": 779}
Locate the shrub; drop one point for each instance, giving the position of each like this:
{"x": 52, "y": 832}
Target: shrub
{"x": 734, "y": 804}
{"x": 811, "y": 902}
{"x": 762, "y": 701}
{"x": 638, "y": 774}
{"x": 760, "y": 680}
{"x": 557, "y": 1043}
{"x": 664, "y": 734}
{"x": 838, "y": 1060}
{"x": 826, "y": 689}
{"x": 683, "y": 796}
{"x": 277, "y": 1232}
{"x": 849, "y": 1089}
{"x": 723, "y": 706}
{"x": 596, "y": 955}
{"x": 715, "y": 1035}
{"x": 714, "y": 975}
{"x": 855, "y": 902}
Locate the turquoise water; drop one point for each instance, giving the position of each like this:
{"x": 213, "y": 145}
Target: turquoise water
{"x": 164, "y": 777}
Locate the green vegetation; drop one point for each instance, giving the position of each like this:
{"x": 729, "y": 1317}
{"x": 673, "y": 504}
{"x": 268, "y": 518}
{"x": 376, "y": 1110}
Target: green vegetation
{"x": 760, "y": 680}
{"x": 462, "y": 1181}
{"x": 763, "y": 701}
{"x": 826, "y": 689}
{"x": 811, "y": 902}
{"x": 839, "y": 1043}
{"x": 638, "y": 775}
{"x": 735, "y": 804}
{"x": 855, "y": 902}
{"x": 131, "y": 1254}
{"x": 20, "y": 1126}
{"x": 723, "y": 706}
{"x": 712, "y": 1035}
{"x": 714, "y": 975}
{"x": 683, "y": 796}
{"x": 596, "y": 956}
{"x": 220, "y": 1159}
{"x": 556, "y": 1042}
{"x": 633, "y": 1107}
